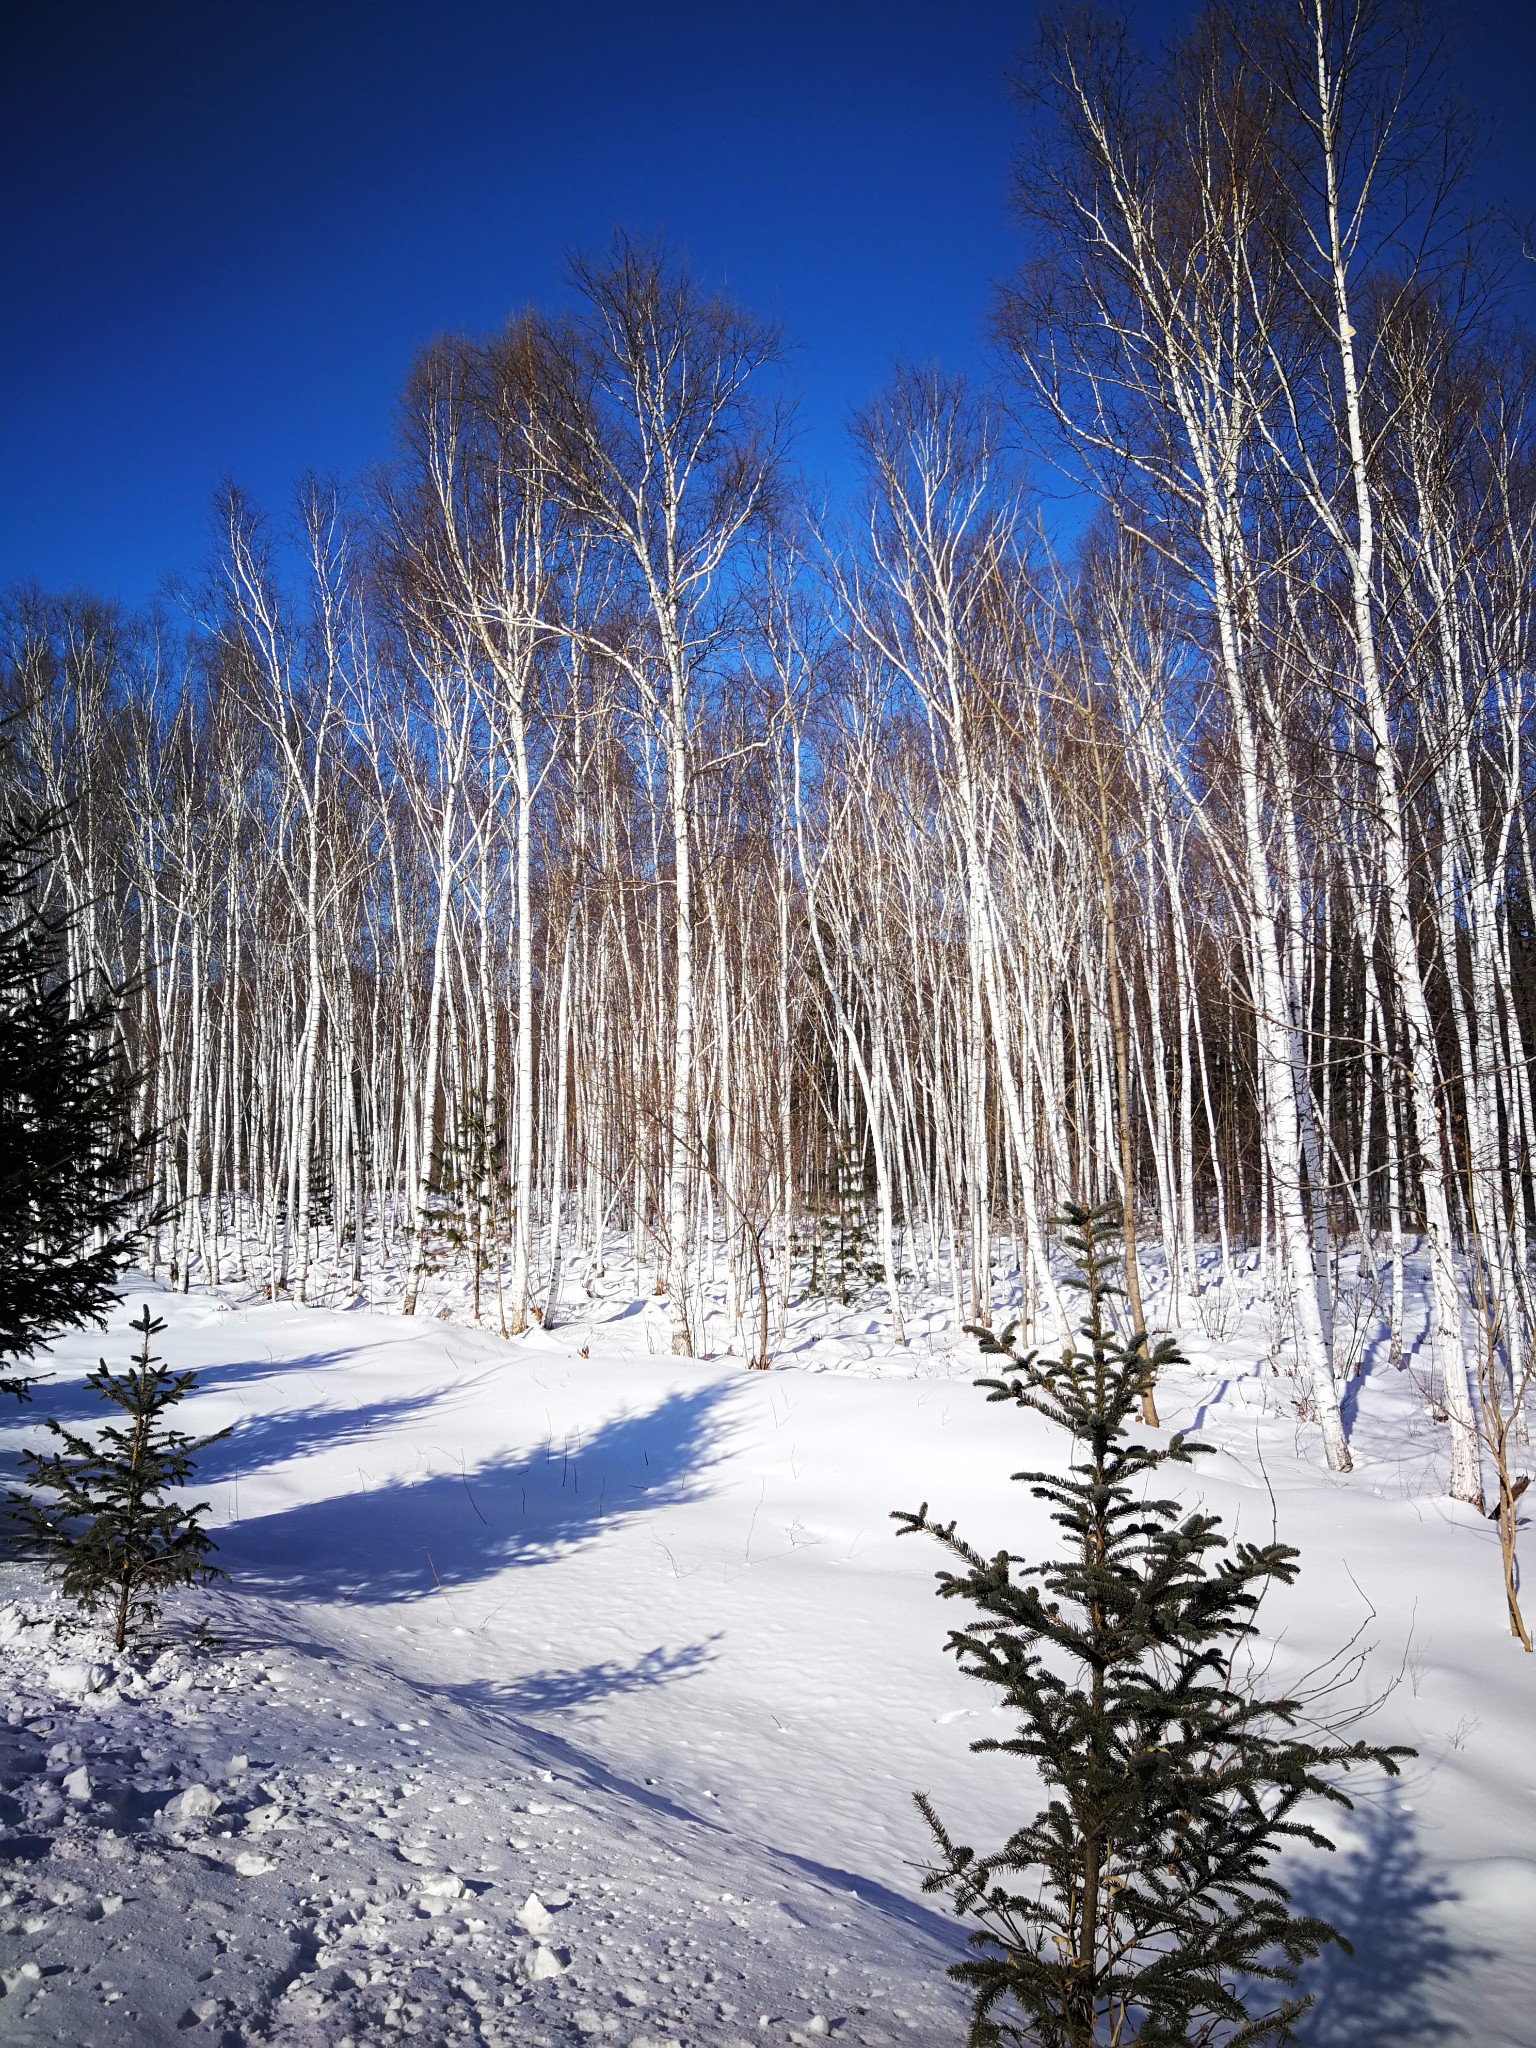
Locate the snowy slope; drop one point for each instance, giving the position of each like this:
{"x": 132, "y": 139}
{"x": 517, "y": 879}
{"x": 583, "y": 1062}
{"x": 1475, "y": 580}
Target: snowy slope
{"x": 634, "y": 1635}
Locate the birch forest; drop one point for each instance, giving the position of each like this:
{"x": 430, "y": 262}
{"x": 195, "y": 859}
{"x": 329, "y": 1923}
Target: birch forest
{"x": 580, "y": 841}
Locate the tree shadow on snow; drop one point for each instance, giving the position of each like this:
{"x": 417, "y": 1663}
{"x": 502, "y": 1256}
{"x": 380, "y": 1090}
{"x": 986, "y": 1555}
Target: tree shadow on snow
{"x": 258, "y": 1441}
{"x": 946, "y": 1931}
{"x": 236, "y": 1373}
{"x": 70, "y": 1401}
{"x": 1385, "y": 1900}
{"x": 406, "y": 1538}
{"x": 551, "y": 1691}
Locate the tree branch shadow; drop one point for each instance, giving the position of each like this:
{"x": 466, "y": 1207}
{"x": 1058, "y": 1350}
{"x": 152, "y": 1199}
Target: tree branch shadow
{"x": 66, "y": 1397}
{"x": 257, "y": 1441}
{"x": 544, "y": 1692}
{"x": 407, "y": 1538}
{"x": 1385, "y": 1900}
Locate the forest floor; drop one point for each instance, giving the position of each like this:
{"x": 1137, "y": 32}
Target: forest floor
{"x": 563, "y": 1690}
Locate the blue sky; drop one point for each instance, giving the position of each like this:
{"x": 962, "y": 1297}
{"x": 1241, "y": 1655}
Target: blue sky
{"x": 226, "y": 227}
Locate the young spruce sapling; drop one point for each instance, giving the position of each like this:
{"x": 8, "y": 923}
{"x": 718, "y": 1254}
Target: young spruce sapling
{"x": 99, "y": 1516}
{"x": 1139, "y": 1904}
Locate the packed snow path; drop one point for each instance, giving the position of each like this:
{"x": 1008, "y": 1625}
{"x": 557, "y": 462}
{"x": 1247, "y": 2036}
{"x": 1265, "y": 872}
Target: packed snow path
{"x": 563, "y": 1697}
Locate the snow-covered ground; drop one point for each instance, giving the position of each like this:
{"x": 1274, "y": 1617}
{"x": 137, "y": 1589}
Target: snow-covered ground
{"x": 563, "y": 1689}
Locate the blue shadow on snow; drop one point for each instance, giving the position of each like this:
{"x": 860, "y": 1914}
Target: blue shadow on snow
{"x": 260, "y": 1440}
{"x": 71, "y": 1401}
{"x": 1384, "y": 1899}
{"x": 405, "y": 1538}
{"x": 548, "y": 1692}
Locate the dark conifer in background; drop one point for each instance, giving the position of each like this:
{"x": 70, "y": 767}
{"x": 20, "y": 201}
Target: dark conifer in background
{"x": 99, "y": 1516}
{"x": 1139, "y": 1905}
{"x": 70, "y": 1167}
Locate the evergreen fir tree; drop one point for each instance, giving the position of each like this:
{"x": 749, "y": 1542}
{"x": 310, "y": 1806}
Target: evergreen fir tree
{"x": 857, "y": 1264}
{"x": 856, "y": 1258}
{"x": 101, "y": 1520}
{"x": 69, "y": 1164}
{"x": 1140, "y": 1904}
{"x": 470, "y": 1159}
